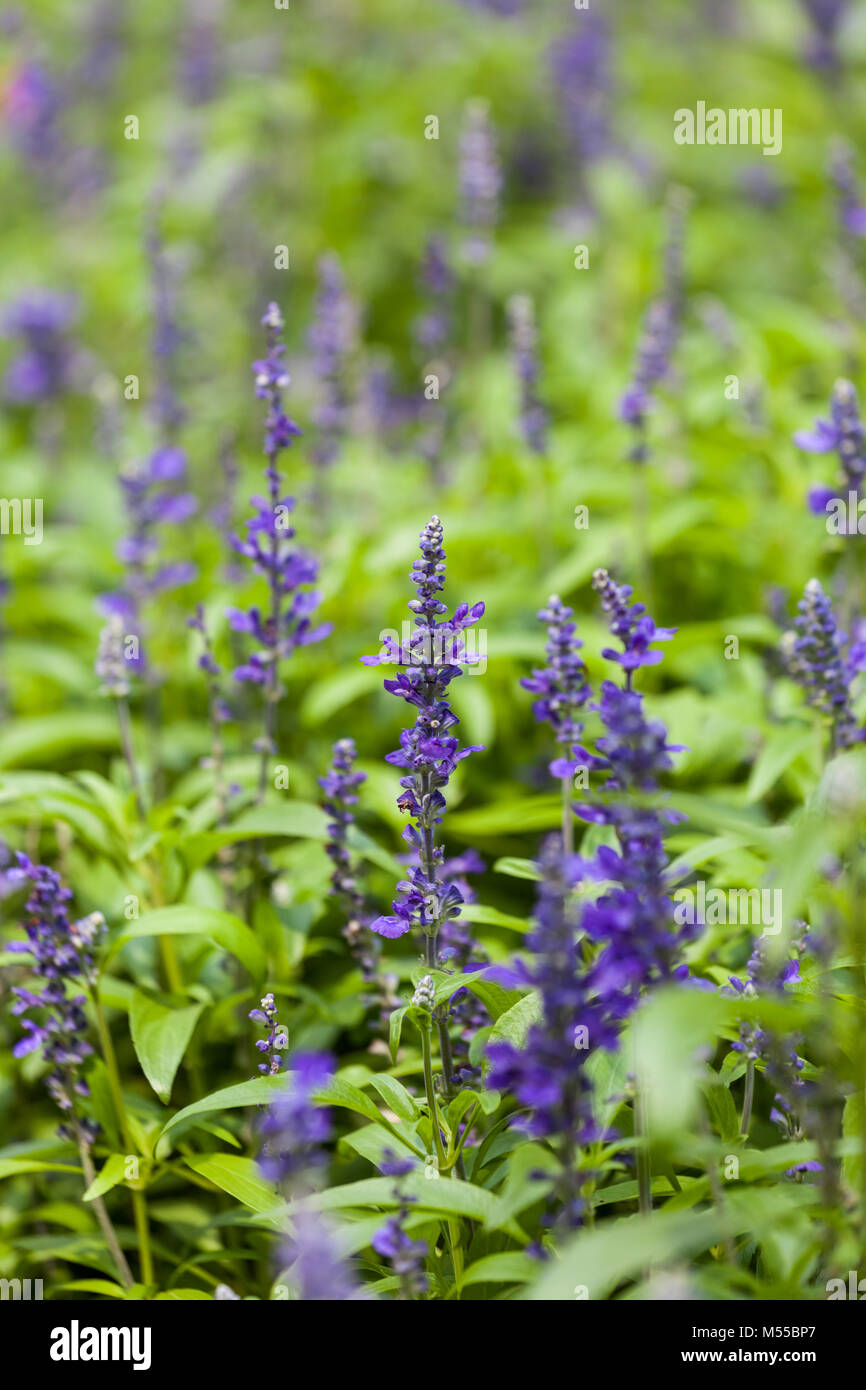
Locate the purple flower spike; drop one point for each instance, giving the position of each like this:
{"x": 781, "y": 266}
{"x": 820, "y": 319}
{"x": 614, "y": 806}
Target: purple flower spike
{"x": 434, "y": 654}
{"x": 332, "y": 339}
{"x": 288, "y": 622}
{"x": 548, "y": 1075}
{"x": 822, "y": 51}
{"x": 562, "y": 686}
{"x": 276, "y": 1038}
{"x": 631, "y": 624}
{"x": 632, "y": 922}
{"x": 816, "y": 657}
{"x": 40, "y": 320}
{"x": 581, "y": 67}
{"x": 62, "y": 953}
{"x": 842, "y": 434}
{"x": 533, "y": 415}
{"x": 660, "y": 334}
{"x": 480, "y": 181}
{"x": 295, "y": 1130}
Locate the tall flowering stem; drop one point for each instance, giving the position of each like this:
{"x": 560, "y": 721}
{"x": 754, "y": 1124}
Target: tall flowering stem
{"x": 632, "y": 922}
{"x": 340, "y": 786}
{"x": 533, "y": 415}
{"x": 295, "y": 1130}
{"x": 166, "y": 336}
{"x": 287, "y": 624}
{"x": 112, "y": 670}
{"x": 480, "y": 181}
{"x": 276, "y": 1038}
{"x": 562, "y": 691}
{"x": 62, "y": 954}
{"x": 783, "y": 1066}
{"x": 434, "y": 655}
{"x": 154, "y": 496}
{"x": 393, "y": 1242}
{"x": 218, "y": 712}
{"x": 432, "y": 332}
{"x": 332, "y": 338}
{"x": 581, "y": 69}
{"x": 820, "y": 659}
{"x": 826, "y": 18}
{"x": 842, "y": 435}
{"x": 660, "y": 335}
{"x": 548, "y": 1075}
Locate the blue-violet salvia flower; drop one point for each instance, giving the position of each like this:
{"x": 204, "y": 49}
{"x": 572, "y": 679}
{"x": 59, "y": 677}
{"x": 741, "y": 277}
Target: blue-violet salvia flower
{"x": 633, "y": 920}
{"x": 154, "y": 497}
{"x": 849, "y": 195}
{"x": 533, "y": 415}
{"x": 287, "y": 625}
{"x": 630, "y": 624}
{"x": 581, "y": 66}
{"x": 166, "y": 336}
{"x": 393, "y": 1242}
{"x": 843, "y": 435}
{"x": 480, "y": 181}
{"x": 826, "y": 17}
{"x": 432, "y": 329}
{"x": 62, "y": 954}
{"x": 434, "y": 655}
{"x": 45, "y": 368}
{"x": 660, "y": 333}
{"x": 548, "y": 1074}
{"x": 782, "y": 1065}
{"x": 295, "y": 1130}
{"x": 332, "y": 338}
{"x": 561, "y": 686}
{"x": 294, "y": 1127}
{"x": 219, "y": 713}
{"x": 815, "y": 654}
{"x": 340, "y": 785}
{"x": 276, "y": 1038}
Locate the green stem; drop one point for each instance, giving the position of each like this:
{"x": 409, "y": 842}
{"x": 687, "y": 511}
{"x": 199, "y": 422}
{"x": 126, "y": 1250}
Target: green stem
{"x": 129, "y": 754}
{"x": 99, "y": 1207}
{"x": 644, "y": 1170}
{"x": 139, "y": 1201}
{"x": 567, "y": 817}
{"x": 640, "y": 496}
{"x": 431, "y": 1095}
{"x": 748, "y": 1098}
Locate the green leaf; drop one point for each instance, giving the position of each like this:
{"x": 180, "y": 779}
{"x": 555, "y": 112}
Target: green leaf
{"x": 395, "y": 1029}
{"x": 50, "y": 737}
{"x": 103, "y": 1286}
{"x": 448, "y": 1196}
{"x": 514, "y": 1024}
{"x": 598, "y": 1260}
{"x": 236, "y": 1175}
{"x": 13, "y": 1167}
{"x": 223, "y": 928}
{"x": 160, "y": 1035}
{"x": 853, "y": 1127}
{"x": 509, "y": 1267}
{"x": 395, "y": 1095}
{"x": 113, "y": 1171}
{"x": 492, "y": 917}
{"x": 515, "y": 817}
{"x": 667, "y": 1033}
{"x": 782, "y": 748}
{"x": 517, "y": 868}
{"x": 183, "y": 1295}
{"x": 256, "y": 1092}
{"x": 723, "y": 1112}
{"x": 291, "y": 820}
